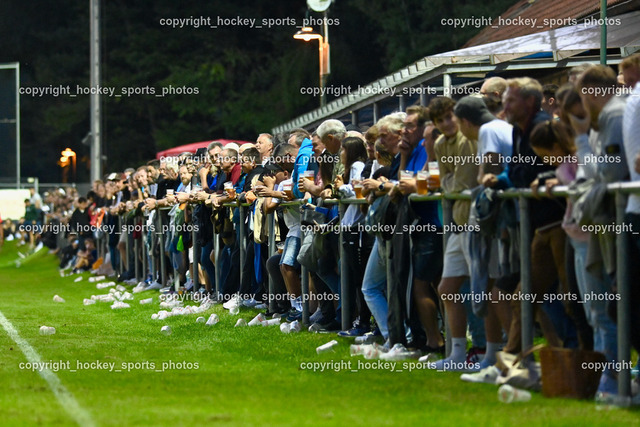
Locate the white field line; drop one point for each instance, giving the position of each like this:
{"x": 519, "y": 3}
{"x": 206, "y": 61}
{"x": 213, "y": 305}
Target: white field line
{"x": 66, "y": 399}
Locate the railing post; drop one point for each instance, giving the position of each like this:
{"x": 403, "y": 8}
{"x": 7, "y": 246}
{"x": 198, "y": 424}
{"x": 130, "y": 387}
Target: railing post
{"x": 136, "y": 252}
{"x": 525, "y": 274}
{"x": 121, "y": 263}
{"x": 304, "y": 282}
{"x": 216, "y": 251}
{"x": 345, "y": 296}
{"x": 271, "y": 249}
{"x": 195, "y": 276}
{"x": 242, "y": 243}
{"x": 163, "y": 266}
{"x": 623, "y": 306}
{"x": 447, "y": 218}
{"x": 145, "y": 254}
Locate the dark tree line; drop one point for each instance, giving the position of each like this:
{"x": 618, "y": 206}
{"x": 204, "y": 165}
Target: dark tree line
{"x": 247, "y": 79}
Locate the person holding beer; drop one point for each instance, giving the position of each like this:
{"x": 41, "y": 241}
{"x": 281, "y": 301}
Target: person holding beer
{"x": 426, "y": 242}
{"x": 357, "y": 243}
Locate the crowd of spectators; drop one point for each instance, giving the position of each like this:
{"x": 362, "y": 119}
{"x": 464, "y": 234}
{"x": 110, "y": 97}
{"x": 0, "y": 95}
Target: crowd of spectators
{"x": 514, "y": 133}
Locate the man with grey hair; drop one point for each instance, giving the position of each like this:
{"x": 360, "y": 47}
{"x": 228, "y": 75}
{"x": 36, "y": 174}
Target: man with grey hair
{"x": 492, "y": 90}
{"x": 297, "y": 137}
{"x": 331, "y": 132}
{"x": 264, "y": 144}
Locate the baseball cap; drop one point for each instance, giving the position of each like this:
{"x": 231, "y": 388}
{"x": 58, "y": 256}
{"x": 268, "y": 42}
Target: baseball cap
{"x": 473, "y": 109}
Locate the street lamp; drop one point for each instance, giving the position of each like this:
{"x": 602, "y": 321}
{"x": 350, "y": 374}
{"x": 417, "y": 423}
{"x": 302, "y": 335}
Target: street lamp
{"x": 307, "y": 34}
{"x": 67, "y": 154}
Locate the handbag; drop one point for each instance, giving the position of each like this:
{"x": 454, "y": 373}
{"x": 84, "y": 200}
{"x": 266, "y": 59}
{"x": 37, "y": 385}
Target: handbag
{"x": 518, "y": 370}
{"x": 313, "y": 215}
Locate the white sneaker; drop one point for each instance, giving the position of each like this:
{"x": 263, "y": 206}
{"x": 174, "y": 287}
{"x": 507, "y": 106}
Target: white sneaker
{"x": 234, "y": 302}
{"x": 250, "y": 302}
{"x": 488, "y": 375}
{"x": 398, "y": 352}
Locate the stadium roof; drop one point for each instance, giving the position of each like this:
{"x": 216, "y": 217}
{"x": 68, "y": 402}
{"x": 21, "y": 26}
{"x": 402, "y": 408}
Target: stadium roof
{"x": 549, "y": 12}
{"x": 555, "y": 48}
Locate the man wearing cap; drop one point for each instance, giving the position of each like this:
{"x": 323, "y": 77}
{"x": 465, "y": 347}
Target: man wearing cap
{"x": 494, "y": 146}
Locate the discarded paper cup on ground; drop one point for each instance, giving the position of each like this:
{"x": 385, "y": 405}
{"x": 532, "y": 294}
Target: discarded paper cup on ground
{"x": 508, "y": 394}
{"x": 358, "y": 349}
{"x": 146, "y": 301}
{"x": 58, "y": 298}
{"x": 213, "y": 319}
{"x": 234, "y": 310}
{"x": 119, "y": 304}
{"x": 87, "y": 301}
{"x": 77, "y": 279}
{"x": 241, "y": 322}
{"x": 324, "y": 348}
{"x": 257, "y": 320}
{"x": 47, "y": 330}
{"x": 166, "y": 330}
{"x": 201, "y": 319}
{"x": 295, "y": 326}
{"x": 271, "y": 322}
{"x": 285, "y": 328}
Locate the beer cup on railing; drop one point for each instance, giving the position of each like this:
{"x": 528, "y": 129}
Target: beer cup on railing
{"x": 421, "y": 182}
{"x": 404, "y": 175}
{"x": 357, "y": 188}
{"x": 288, "y": 189}
{"x": 231, "y": 192}
{"x": 434, "y": 176}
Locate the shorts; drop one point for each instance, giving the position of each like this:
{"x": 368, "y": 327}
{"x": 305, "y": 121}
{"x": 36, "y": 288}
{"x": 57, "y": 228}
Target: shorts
{"x": 427, "y": 256}
{"x": 291, "y": 251}
{"x": 456, "y": 257}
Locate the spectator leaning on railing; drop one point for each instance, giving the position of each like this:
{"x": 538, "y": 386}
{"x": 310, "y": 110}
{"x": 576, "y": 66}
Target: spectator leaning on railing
{"x": 522, "y": 101}
{"x": 493, "y": 137}
{"x": 425, "y": 261}
{"x": 455, "y": 176}
{"x": 631, "y": 129}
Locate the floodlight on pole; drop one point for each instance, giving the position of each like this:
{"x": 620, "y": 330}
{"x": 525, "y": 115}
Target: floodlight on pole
{"x": 67, "y": 154}
{"x": 307, "y": 34}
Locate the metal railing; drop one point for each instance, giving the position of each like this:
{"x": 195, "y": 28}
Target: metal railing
{"x": 620, "y": 190}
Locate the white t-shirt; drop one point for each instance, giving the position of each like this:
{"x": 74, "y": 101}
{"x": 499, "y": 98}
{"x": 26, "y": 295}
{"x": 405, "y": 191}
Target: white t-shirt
{"x": 291, "y": 213}
{"x": 496, "y": 136}
{"x": 353, "y": 213}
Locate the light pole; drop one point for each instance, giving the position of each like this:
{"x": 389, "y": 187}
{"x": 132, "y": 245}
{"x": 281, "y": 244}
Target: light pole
{"x": 67, "y": 154}
{"x": 307, "y": 34}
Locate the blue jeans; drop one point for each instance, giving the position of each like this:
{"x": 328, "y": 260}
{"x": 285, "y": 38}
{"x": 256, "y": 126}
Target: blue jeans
{"x": 605, "y": 338}
{"x": 475, "y": 324}
{"x": 374, "y": 286}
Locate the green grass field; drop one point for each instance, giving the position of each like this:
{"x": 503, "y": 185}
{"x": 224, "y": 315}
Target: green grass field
{"x": 238, "y": 376}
